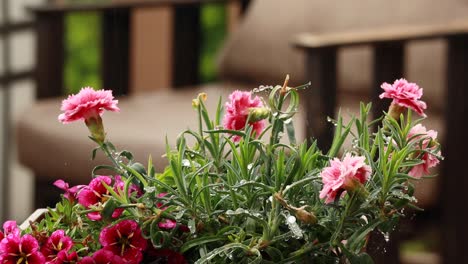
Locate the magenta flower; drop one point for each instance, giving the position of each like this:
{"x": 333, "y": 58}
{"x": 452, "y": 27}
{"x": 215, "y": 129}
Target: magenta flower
{"x": 87, "y": 103}
{"x": 419, "y": 132}
{"x": 404, "y": 94}
{"x": 64, "y": 257}
{"x": 239, "y": 108}
{"x": 25, "y": 249}
{"x": 343, "y": 175}
{"x": 103, "y": 256}
{"x": 119, "y": 184}
{"x": 168, "y": 223}
{"x": 70, "y": 193}
{"x": 10, "y": 229}
{"x": 56, "y": 243}
{"x": 95, "y": 194}
{"x": 125, "y": 240}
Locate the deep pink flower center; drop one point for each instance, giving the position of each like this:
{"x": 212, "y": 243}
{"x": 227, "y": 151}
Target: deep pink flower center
{"x": 124, "y": 242}
{"x": 21, "y": 257}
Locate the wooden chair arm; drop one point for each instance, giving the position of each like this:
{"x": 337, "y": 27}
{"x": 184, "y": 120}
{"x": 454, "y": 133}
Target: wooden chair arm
{"x": 380, "y": 35}
{"x": 115, "y": 5}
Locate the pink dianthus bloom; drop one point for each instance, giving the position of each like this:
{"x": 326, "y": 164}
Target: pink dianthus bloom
{"x": 25, "y": 249}
{"x": 404, "y": 94}
{"x": 124, "y": 239}
{"x": 419, "y": 132}
{"x": 343, "y": 175}
{"x": 95, "y": 194}
{"x": 56, "y": 243}
{"x": 87, "y": 103}
{"x": 238, "y": 109}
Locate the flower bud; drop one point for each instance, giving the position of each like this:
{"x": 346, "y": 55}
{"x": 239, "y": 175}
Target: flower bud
{"x": 196, "y": 101}
{"x": 258, "y": 113}
{"x": 355, "y": 187}
{"x": 306, "y": 216}
{"x": 96, "y": 128}
{"x": 395, "y": 111}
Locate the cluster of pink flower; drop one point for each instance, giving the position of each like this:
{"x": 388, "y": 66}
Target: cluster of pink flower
{"x": 121, "y": 243}
{"x": 349, "y": 173}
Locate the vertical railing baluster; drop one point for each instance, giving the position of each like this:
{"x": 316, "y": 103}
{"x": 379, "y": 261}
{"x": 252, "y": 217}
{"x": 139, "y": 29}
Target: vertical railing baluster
{"x": 320, "y": 99}
{"x": 6, "y": 119}
{"x": 454, "y": 179}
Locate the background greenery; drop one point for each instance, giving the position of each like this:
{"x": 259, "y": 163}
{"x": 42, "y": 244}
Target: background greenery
{"x": 83, "y": 44}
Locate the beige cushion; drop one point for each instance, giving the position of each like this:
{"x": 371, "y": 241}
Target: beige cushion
{"x": 260, "y": 51}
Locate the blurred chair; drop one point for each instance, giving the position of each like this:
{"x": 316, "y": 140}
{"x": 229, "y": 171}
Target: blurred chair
{"x": 261, "y": 51}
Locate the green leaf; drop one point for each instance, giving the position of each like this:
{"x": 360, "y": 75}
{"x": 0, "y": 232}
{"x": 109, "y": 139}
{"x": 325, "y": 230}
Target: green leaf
{"x": 360, "y": 258}
{"x": 359, "y": 235}
{"x": 223, "y": 249}
{"x": 136, "y": 174}
{"x": 127, "y": 154}
{"x": 200, "y": 241}
{"x": 108, "y": 209}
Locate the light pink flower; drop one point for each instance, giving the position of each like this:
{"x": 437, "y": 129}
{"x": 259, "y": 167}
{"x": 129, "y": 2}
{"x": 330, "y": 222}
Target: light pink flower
{"x": 124, "y": 239}
{"x": 87, "y": 103}
{"x": 238, "y": 109}
{"x": 343, "y": 175}
{"x": 419, "y": 132}
{"x": 23, "y": 249}
{"x": 405, "y": 94}
{"x": 96, "y": 194}
{"x": 56, "y": 243}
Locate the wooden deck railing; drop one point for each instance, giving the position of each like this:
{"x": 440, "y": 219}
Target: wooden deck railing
{"x": 388, "y": 45}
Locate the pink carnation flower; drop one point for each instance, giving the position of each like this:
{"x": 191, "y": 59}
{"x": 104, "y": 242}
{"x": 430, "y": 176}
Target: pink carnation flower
{"x": 95, "y": 194}
{"x": 87, "y": 103}
{"x": 343, "y": 175}
{"x": 405, "y": 94}
{"x": 238, "y": 109}
{"x": 124, "y": 239}
{"x": 56, "y": 243}
{"x": 419, "y": 132}
{"x": 25, "y": 249}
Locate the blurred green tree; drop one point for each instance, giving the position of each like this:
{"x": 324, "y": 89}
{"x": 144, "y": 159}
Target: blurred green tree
{"x": 83, "y": 46}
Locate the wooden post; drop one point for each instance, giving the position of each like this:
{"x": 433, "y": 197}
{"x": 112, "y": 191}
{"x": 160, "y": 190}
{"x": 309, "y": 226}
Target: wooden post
{"x": 186, "y": 40}
{"x": 50, "y": 54}
{"x": 320, "y": 99}
{"x": 454, "y": 228}
{"x": 115, "y": 50}
{"x": 388, "y": 66}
